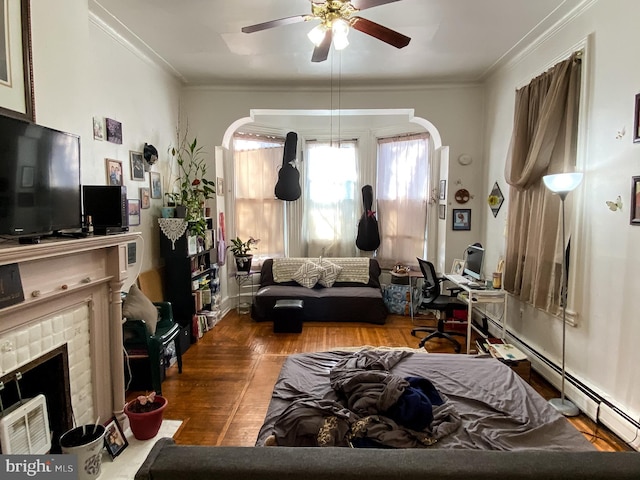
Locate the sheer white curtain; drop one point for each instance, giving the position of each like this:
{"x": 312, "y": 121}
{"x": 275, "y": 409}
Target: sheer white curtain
{"x": 402, "y": 188}
{"x": 258, "y": 213}
{"x": 331, "y": 217}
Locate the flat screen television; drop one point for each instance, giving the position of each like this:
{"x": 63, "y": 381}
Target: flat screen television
{"x": 474, "y": 259}
{"x": 39, "y": 180}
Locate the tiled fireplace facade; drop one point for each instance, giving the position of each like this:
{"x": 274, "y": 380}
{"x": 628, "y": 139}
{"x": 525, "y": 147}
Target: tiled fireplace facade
{"x": 72, "y": 296}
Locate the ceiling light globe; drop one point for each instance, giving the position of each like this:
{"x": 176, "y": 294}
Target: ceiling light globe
{"x": 562, "y": 182}
{"x": 316, "y": 35}
{"x": 340, "y": 27}
{"x": 340, "y": 42}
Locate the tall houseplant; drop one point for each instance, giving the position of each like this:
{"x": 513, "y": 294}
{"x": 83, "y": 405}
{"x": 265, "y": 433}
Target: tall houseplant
{"x": 193, "y": 188}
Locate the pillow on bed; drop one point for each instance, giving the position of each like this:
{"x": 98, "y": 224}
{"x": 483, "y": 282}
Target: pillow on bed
{"x": 308, "y": 274}
{"x": 137, "y": 306}
{"x": 330, "y": 273}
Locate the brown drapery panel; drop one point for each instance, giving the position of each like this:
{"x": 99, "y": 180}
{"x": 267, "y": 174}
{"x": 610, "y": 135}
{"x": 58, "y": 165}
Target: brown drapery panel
{"x": 543, "y": 142}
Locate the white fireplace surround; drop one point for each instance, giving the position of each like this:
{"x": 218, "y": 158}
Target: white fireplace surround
{"x": 72, "y": 291}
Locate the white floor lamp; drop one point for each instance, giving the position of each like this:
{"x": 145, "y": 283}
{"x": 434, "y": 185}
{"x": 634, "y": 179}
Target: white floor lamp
{"x": 562, "y": 184}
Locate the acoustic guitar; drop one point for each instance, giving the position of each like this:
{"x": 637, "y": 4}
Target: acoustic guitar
{"x": 288, "y": 186}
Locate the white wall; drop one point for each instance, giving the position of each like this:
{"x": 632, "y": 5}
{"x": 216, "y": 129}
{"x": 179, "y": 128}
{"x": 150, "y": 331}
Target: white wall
{"x": 601, "y": 349}
{"x": 456, "y": 111}
{"x": 81, "y": 71}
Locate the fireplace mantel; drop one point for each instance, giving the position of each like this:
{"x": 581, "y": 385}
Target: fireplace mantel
{"x": 59, "y": 275}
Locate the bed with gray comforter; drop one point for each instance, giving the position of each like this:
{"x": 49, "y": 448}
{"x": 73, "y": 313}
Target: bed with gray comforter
{"x": 369, "y": 398}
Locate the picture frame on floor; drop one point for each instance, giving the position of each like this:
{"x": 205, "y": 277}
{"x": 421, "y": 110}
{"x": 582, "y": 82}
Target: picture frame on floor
{"x": 114, "y": 439}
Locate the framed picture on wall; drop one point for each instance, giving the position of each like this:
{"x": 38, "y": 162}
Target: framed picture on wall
{"x": 461, "y": 219}
{"x": 636, "y": 121}
{"x": 137, "y": 166}
{"x": 635, "y": 201}
{"x": 134, "y": 212}
{"x": 16, "y": 74}
{"x": 114, "y": 171}
{"x": 155, "y": 182}
{"x": 145, "y": 197}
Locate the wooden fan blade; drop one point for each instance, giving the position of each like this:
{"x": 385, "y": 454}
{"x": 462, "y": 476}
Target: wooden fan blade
{"x": 364, "y": 4}
{"x": 274, "y": 23}
{"x": 321, "y": 52}
{"x": 380, "y": 32}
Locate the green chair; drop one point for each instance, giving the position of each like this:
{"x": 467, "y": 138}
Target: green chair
{"x": 140, "y": 344}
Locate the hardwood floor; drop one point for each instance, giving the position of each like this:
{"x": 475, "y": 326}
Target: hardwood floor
{"x": 225, "y": 387}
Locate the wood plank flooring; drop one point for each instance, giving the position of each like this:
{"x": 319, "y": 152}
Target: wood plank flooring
{"x": 224, "y": 390}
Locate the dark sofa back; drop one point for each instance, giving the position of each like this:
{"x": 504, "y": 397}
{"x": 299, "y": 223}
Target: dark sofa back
{"x": 168, "y": 461}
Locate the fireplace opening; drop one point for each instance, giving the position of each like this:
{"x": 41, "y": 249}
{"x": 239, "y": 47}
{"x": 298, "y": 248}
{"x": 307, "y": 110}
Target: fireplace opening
{"x": 47, "y": 375}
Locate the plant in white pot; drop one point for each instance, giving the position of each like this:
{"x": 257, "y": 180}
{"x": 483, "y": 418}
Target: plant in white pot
{"x": 241, "y": 253}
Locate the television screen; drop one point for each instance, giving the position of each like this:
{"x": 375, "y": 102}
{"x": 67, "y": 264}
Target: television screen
{"x": 39, "y": 179}
{"x": 473, "y": 264}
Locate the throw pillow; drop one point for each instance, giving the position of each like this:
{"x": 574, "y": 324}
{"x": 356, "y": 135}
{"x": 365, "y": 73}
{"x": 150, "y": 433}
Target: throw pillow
{"x": 138, "y": 306}
{"x": 330, "y": 273}
{"x": 308, "y": 274}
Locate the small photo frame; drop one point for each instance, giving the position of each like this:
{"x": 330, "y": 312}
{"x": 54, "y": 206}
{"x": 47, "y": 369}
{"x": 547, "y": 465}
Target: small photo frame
{"x": 114, "y": 171}
{"x": 98, "y": 128}
{"x": 442, "y": 211}
{"x": 114, "y": 439}
{"x": 114, "y": 131}
{"x": 636, "y": 120}
{"x": 635, "y": 201}
{"x": 137, "y": 166}
{"x": 145, "y": 198}
{"x": 443, "y": 189}
{"x": 155, "y": 182}
{"x": 461, "y": 219}
{"x": 134, "y": 212}
{"x": 458, "y": 266}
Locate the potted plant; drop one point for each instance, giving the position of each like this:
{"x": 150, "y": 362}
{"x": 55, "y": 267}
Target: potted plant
{"x": 145, "y": 415}
{"x": 241, "y": 253}
{"x": 193, "y": 188}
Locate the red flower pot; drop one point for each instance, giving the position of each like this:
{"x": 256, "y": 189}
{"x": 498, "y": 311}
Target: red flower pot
{"x": 145, "y": 425}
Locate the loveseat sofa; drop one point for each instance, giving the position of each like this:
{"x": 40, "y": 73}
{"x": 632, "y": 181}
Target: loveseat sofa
{"x": 354, "y": 295}
{"x": 170, "y": 461}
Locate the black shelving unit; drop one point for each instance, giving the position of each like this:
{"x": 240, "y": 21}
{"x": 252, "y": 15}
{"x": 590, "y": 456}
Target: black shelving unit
{"x": 187, "y": 271}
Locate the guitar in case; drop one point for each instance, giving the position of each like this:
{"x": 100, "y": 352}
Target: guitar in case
{"x": 288, "y": 186}
{"x": 368, "y": 238}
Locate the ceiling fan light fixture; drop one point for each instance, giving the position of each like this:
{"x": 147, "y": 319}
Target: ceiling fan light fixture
{"x": 317, "y": 33}
{"x": 340, "y": 29}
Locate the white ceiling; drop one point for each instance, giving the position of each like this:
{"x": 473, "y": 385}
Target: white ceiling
{"x": 451, "y": 40}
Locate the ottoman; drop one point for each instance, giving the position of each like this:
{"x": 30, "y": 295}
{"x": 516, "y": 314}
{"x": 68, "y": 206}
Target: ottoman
{"x": 287, "y": 316}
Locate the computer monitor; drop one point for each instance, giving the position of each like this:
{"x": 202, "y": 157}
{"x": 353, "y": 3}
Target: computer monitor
{"x": 474, "y": 259}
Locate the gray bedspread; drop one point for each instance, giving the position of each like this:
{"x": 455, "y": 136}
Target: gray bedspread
{"x": 497, "y": 410}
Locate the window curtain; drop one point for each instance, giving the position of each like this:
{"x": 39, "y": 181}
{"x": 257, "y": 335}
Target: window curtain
{"x": 543, "y": 142}
{"x": 258, "y": 213}
{"x": 330, "y": 208}
{"x": 402, "y": 189}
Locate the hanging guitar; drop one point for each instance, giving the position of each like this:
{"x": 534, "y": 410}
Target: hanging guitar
{"x": 288, "y": 186}
{"x": 368, "y": 238}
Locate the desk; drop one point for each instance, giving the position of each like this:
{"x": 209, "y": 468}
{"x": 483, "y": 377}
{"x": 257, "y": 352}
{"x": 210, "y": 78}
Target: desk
{"x": 475, "y": 296}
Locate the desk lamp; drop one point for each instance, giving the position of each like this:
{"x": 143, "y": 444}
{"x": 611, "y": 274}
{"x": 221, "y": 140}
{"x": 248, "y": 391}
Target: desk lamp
{"x": 562, "y": 184}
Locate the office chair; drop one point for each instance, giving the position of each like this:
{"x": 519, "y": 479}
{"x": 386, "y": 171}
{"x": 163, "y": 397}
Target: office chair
{"x": 432, "y": 299}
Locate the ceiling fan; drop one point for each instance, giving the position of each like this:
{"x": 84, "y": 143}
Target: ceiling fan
{"x": 336, "y": 18}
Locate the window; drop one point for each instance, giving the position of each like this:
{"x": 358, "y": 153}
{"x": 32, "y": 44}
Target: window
{"x": 331, "y": 216}
{"x": 258, "y": 213}
{"x": 402, "y": 191}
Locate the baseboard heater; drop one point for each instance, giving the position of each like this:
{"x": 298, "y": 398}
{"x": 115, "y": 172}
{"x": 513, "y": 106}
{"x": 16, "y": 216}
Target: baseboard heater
{"x": 24, "y": 428}
{"x": 594, "y": 405}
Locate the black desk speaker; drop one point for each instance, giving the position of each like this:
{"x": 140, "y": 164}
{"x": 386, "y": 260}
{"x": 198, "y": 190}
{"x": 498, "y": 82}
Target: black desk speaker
{"x": 107, "y": 205}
